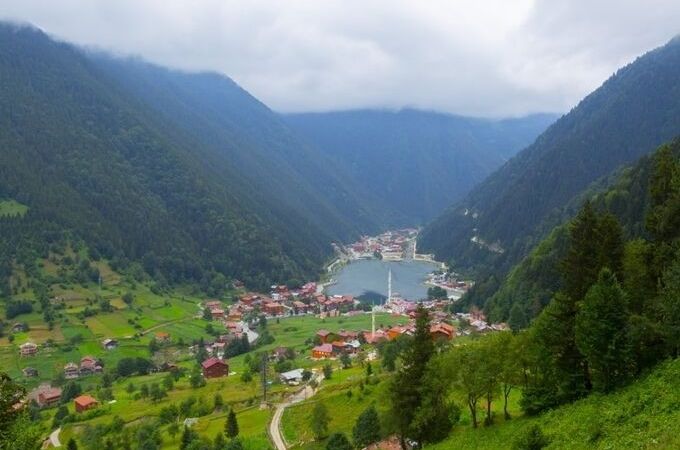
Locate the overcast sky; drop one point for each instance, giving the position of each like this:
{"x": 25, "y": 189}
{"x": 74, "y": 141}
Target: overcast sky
{"x": 483, "y": 58}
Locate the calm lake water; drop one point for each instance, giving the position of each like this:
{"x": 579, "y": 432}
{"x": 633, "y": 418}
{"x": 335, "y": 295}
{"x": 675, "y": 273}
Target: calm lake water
{"x": 368, "y": 279}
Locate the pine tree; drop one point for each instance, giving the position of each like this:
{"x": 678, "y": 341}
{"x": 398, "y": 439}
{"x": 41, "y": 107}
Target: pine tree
{"x": 602, "y": 332}
{"x": 554, "y": 336}
{"x": 582, "y": 263}
{"x": 319, "y": 420}
{"x": 72, "y": 445}
{"x": 367, "y": 428}
{"x": 338, "y": 441}
{"x": 231, "y": 425}
{"x": 670, "y": 307}
{"x": 405, "y": 398}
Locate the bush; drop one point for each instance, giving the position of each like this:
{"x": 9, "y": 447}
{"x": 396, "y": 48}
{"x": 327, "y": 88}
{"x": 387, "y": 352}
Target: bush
{"x": 532, "y": 439}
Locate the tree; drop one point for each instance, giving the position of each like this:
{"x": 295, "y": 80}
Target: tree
{"x": 327, "y": 371}
{"x": 219, "y": 443}
{"x": 468, "y": 378}
{"x": 338, "y": 441}
{"x": 234, "y": 444}
{"x": 72, "y": 445}
{"x": 367, "y": 428}
{"x": 346, "y": 361}
{"x": 517, "y": 318}
{"x": 369, "y": 369}
{"x": 581, "y": 265}
{"x": 404, "y": 391}
{"x": 555, "y": 335}
{"x": 602, "y": 332}
{"x": 436, "y": 292}
{"x": 231, "y": 425}
{"x": 218, "y": 402}
{"x": 532, "y": 439}
{"x": 16, "y": 429}
{"x": 670, "y": 307}
{"x": 169, "y": 382}
{"x": 70, "y": 391}
{"x": 319, "y": 420}
{"x": 144, "y": 391}
{"x": 188, "y": 436}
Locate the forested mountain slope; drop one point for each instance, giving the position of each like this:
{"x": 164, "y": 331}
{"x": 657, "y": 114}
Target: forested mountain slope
{"x": 93, "y": 161}
{"x": 417, "y": 162}
{"x": 632, "y": 113}
{"x": 530, "y": 285}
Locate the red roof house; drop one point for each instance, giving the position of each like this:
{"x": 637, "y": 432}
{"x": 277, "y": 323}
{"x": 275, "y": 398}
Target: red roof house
{"x": 322, "y": 351}
{"x": 85, "y": 402}
{"x": 214, "y": 368}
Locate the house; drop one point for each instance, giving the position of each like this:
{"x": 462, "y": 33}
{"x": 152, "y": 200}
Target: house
{"x": 395, "y": 332}
{"x": 30, "y": 372}
{"x": 348, "y": 335}
{"x": 299, "y": 307}
{"x": 217, "y": 313}
{"x": 89, "y": 365}
{"x": 338, "y": 347}
{"x": 273, "y": 309}
{"x": 214, "y": 368}
{"x": 19, "y": 327}
{"x": 49, "y": 396}
{"x": 292, "y": 377}
{"x": 325, "y": 336}
{"x": 109, "y": 344}
{"x": 71, "y": 371}
{"x": 374, "y": 338}
{"x": 442, "y": 331}
{"x": 322, "y": 351}
{"x": 234, "y": 315}
{"x": 213, "y": 304}
{"x": 281, "y": 353}
{"x": 28, "y": 349}
{"x": 190, "y": 422}
{"x": 85, "y": 402}
{"x": 162, "y": 336}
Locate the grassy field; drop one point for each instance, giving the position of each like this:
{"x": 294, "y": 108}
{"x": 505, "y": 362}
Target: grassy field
{"x": 12, "y": 208}
{"x": 343, "y": 408}
{"x": 643, "y": 415}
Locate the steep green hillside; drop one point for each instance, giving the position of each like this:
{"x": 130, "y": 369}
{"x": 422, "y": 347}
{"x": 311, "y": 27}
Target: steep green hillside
{"x": 642, "y": 415}
{"x": 201, "y": 190}
{"x": 531, "y": 284}
{"x": 416, "y": 162}
{"x": 628, "y": 116}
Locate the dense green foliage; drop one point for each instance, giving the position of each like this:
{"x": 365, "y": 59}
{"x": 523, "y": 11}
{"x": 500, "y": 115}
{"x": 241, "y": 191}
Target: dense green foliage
{"x": 643, "y": 414}
{"x": 416, "y": 162}
{"x": 628, "y": 116}
{"x": 529, "y": 286}
{"x": 186, "y": 176}
{"x": 599, "y": 330}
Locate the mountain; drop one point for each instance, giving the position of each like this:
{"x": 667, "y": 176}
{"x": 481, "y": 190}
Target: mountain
{"x": 186, "y": 174}
{"x": 531, "y": 284}
{"x": 416, "y": 162}
{"x": 502, "y": 219}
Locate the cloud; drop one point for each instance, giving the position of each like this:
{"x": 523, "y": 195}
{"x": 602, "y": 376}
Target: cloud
{"x": 486, "y": 58}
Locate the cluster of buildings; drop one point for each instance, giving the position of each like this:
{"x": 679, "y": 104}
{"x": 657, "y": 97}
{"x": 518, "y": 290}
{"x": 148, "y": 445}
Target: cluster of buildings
{"x": 334, "y": 344}
{"x": 46, "y": 396}
{"x": 88, "y": 366}
{"x": 391, "y": 245}
{"x": 281, "y": 301}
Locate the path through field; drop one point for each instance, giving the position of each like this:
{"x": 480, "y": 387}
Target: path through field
{"x": 275, "y": 425}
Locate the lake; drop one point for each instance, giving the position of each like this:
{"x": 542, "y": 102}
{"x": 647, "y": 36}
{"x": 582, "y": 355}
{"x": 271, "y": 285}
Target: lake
{"x": 368, "y": 279}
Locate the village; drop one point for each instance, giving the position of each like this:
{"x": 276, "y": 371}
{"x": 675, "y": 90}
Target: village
{"x": 236, "y": 328}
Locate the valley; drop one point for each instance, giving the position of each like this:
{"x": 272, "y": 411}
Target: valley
{"x": 371, "y": 237}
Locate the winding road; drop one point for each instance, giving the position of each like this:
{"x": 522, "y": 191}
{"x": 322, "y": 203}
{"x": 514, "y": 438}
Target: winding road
{"x": 275, "y": 424}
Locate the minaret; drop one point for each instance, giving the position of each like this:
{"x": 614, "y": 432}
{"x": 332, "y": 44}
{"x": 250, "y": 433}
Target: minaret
{"x": 373, "y": 319}
{"x": 389, "y": 285}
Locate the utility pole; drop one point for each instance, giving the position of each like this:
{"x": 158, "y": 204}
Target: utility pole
{"x": 264, "y": 378}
